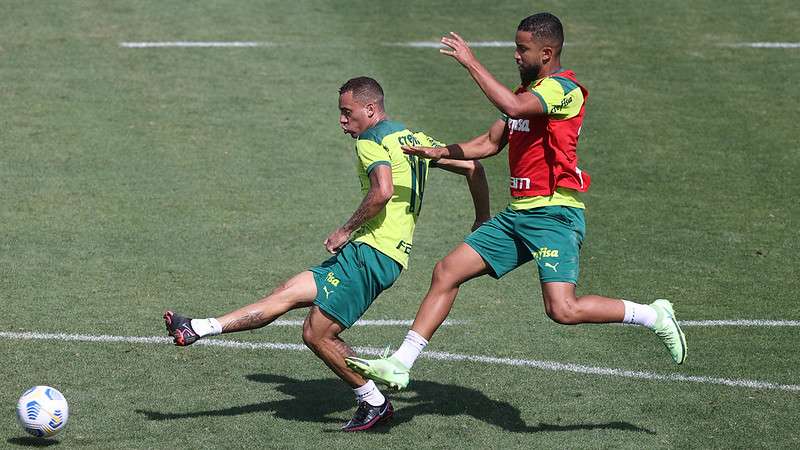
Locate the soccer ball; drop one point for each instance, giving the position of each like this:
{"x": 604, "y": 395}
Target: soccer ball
{"x": 42, "y": 411}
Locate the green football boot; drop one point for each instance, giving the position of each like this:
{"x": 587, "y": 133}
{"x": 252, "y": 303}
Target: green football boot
{"x": 667, "y": 328}
{"x": 388, "y": 371}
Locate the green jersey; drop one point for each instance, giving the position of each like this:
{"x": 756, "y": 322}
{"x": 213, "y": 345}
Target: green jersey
{"x": 391, "y": 231}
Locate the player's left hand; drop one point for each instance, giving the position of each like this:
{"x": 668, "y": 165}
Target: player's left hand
{"x": 336, "y": 240}
{"x": 433, "y": 153}
{"x": 459, "y": 49}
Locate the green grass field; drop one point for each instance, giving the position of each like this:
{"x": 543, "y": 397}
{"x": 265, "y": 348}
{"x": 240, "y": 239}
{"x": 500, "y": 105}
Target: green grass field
{"x": 136, "y": 180}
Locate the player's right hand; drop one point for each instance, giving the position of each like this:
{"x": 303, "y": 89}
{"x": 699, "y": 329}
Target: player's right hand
{"x": 459, "y": 49}
{"x": 425, "y": 152}
{"x": 336, "y": 240}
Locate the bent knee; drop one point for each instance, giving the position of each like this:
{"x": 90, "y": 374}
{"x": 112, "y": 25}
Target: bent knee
{"x": 565, "y": 312}
{"x": 443, "y": 273}
{"x": 315, "y": 338}
{"x": 310, "y": 337}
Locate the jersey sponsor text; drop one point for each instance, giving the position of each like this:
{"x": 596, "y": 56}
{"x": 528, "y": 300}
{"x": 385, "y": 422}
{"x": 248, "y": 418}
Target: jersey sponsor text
{"x": 520, "y": 183}
{"x": 545, "y": 252}
{"x": 519, "y": 125}
{"x": 332, "y": 279}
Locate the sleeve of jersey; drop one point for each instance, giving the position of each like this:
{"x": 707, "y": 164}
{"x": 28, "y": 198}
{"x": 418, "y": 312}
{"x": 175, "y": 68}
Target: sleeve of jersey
{"x": 560, "y": 98}
{"x": 371, "y": 155}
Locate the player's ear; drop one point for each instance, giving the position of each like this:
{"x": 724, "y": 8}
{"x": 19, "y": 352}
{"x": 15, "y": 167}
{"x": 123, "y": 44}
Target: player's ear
{"x": 370, "y": 109}
{"x": 547, "y": 54}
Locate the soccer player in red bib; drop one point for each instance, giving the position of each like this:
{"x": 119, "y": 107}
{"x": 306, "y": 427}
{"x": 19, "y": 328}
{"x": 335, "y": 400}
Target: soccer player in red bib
{"x": 544, "y": 221}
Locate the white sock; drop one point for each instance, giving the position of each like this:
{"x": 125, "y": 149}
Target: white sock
{"x": 206, "y": 327}
{"x": 411, "y": 348}
{"x": 639, "y": 314}
{"x": 369, "y": 393}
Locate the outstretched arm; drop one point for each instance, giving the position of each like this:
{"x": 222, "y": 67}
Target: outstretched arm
{"x": 524, "y": 104}
{"x": 380, "y": 192}
{"x": 478, "y": 186}
{"x": 483, "y": 146}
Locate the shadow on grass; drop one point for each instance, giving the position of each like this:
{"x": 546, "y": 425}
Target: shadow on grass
{"x": 317, "y": 400}
{"x": 30, "y": 441}
{"x": 313, "y": 401}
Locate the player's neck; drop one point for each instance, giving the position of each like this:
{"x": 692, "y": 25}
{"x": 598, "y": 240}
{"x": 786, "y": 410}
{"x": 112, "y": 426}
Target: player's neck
{"x": 545, "y": 72}
{"x": 551, "y": 68}
{"x": 378, "y": 118}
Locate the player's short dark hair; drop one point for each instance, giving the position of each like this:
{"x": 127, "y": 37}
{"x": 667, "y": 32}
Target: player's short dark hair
{"x": 544, "y": 27}
{"x": 365, "y": 90}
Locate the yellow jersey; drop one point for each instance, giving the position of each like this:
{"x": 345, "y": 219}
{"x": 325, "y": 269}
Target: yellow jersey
{"x": 391, "y": 232}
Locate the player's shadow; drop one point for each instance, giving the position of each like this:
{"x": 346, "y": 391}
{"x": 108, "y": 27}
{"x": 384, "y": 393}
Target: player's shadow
{"x": 431, "y": 398}
{"x": 312, "y": 401}
{"x": 322, "y": 400}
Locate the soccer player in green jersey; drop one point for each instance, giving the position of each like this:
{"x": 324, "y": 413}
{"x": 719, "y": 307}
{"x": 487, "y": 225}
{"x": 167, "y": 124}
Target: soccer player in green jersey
{"x": 369, "y": 250}
{"x": 544, "y": 221}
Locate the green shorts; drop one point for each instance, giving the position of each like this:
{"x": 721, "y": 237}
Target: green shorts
{"x": 350, "y": 280}
{"x": 551, "y": 235}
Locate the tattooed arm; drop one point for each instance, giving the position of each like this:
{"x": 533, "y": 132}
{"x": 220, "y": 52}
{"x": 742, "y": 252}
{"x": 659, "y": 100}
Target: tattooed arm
{"x": 379, "y": 194}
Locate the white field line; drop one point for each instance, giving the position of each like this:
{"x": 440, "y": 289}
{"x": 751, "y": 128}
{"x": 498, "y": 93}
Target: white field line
{"x": 195, "y": 44}
{"x": 739, "y": 323}
{"x": 367, "y": 323}
{"x": 763, "y": 45}
{"x": 441, "y": 356}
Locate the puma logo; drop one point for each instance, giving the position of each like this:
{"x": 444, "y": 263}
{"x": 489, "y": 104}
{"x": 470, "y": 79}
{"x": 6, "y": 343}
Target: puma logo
{"x": 552, "y": 266}
{"x": 327, "y": 292}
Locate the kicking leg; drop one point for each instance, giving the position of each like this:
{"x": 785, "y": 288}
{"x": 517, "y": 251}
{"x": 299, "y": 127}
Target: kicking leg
{"x": 299, "y": 291}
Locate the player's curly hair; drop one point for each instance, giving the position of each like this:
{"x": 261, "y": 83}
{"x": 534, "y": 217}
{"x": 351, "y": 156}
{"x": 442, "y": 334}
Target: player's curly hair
{"x": 544, "y": 27}
{"x": 365, "y": 90}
